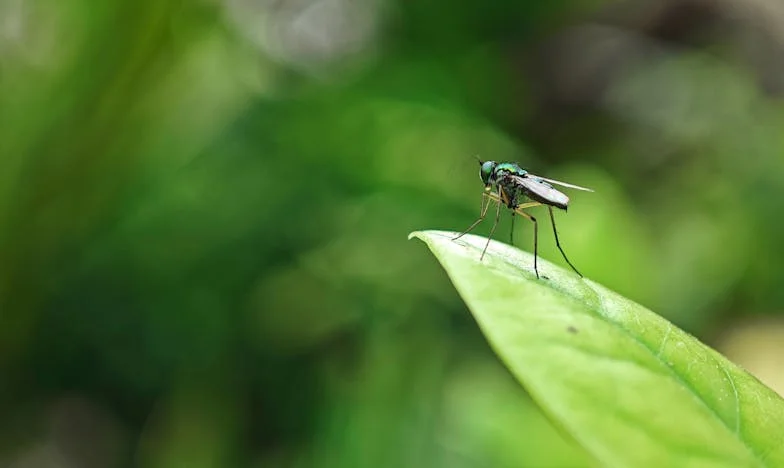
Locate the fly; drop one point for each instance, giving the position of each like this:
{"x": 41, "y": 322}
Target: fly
{"x": 508, "y": 184}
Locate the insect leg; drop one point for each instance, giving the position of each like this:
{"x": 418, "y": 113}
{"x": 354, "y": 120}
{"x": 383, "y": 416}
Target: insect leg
{"x": 482, "y": 214}
{"x": 519, "y": 207}
{"x": 557, "y": 243}
{"x": 511, "y": 231}
{"x": 519, "y": 211}
{"x": 527, "y": 205}
{"x": 522, "y": 206}
{"x": 495, "y": 224}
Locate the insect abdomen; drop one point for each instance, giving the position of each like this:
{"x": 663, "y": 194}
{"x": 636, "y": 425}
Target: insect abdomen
{"x": 558, "y": 199}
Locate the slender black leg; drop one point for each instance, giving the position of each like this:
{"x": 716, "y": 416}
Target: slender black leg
{"x": 536, "y": 237}
{"x": 557, "y": 243}
{"x": 511, "y": 231}
{"x": 492, "y": 229}
{"x": 482, "y": 214}
{"x": 536, "y": 245}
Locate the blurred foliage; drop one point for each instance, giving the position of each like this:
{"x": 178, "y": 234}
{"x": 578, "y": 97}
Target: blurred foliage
{"x": 204, "y": 207}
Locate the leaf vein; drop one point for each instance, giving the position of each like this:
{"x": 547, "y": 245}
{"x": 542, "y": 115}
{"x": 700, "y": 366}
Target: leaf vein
{"x": 605, "y": 314}
{"x": 735, "y": 391}
{"x": 664, "y": 340}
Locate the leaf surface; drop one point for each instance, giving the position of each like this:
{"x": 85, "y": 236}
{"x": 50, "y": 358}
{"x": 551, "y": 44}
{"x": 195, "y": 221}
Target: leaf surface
{"x": 629, "y": 386}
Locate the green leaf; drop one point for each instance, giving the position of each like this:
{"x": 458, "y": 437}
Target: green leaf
{"x": 626, "y": 384}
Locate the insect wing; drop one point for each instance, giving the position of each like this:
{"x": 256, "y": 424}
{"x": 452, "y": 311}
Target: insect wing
{"x": 562, "y": 184}
{"x": 540, "y": 191}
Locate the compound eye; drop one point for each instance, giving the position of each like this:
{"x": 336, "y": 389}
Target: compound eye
{"x": 487, "y": 171}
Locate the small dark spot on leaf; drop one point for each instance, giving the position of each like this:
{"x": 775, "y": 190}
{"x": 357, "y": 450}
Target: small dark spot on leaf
{"x": 571, "y": 329}
{"x": 545, "y": 277}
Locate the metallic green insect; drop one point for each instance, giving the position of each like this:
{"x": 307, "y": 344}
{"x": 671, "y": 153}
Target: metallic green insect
{"x": 508, "y": 184}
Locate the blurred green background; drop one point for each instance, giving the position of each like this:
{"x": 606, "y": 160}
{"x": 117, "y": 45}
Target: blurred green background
{"x": 204, "y": 208}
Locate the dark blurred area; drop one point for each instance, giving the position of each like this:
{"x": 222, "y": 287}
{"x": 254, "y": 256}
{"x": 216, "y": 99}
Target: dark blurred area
{"x": 204, "y": 208}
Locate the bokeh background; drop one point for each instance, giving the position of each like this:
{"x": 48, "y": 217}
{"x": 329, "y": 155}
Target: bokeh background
{"x": 204, "y": 207}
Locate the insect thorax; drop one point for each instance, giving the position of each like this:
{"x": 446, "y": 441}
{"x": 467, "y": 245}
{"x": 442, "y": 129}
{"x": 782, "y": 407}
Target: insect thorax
{"x": 504, "y": 169}
{"x": 509, "y": 168}
{"x": 515, "y": 194}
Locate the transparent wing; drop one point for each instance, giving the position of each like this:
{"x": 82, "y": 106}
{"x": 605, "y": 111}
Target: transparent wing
{"x": 540, "y": 190}
{"x": 562, "y": 184}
